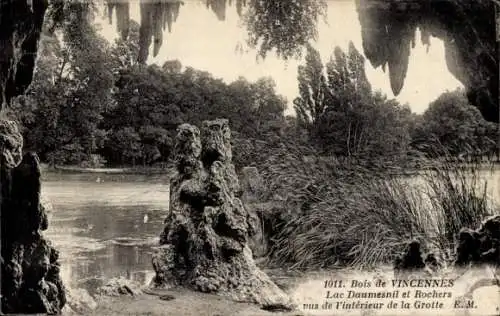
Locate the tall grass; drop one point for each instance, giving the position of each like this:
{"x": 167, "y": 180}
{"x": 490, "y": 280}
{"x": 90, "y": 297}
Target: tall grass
{"x": 458, "y": 196}
{"x": 333, "y": 213}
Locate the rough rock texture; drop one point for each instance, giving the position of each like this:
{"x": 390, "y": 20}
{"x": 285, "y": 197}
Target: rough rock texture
{"x": 30, "y": 270}
{"x": 468, "y": 29}
{"x": 252, "y": 186}
{"x": 412, "y": 260}
{"x": 480, "y": 246}
{"x": 118, "y": 287}
{"x": 21, "y": 23}
{"x": 79, "y": 301}
{"x": 205, "y": 240}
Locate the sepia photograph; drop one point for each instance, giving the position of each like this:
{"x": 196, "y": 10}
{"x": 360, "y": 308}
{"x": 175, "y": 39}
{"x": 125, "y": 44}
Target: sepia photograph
{"x": 250, "y": 157}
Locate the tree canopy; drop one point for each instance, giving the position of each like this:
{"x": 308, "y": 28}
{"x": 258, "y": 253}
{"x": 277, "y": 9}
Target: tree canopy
{"x": 340, "y": 111}
{"x": 284, "y": 26}
{"x": 128, "y": 113}
{"x": 452, "y": 126}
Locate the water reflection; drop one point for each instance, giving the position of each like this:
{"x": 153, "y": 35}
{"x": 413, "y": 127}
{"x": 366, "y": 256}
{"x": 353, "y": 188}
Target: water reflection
{"x": 99, "y": 227}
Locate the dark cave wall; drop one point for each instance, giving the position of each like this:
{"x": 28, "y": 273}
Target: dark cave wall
{"x": 20, "y": 26}
{"x": 468, "y": 29}
{"x": 30, "y": 269}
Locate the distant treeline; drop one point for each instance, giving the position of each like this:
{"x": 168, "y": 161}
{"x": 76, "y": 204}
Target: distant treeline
{"x": 91, "y": 105}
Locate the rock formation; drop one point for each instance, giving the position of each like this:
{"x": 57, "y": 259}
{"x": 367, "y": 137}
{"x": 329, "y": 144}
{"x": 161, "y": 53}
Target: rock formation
{"x": 412, "y": 261}
{"x": 205, "y": 240}
{"x": 30, "y": 270}
{"x": 468, "y": 29}
{"x": 20, "y": 24}
{"x": 480, "y": 246}
{"x": 119, "y": 286}
{"x": 252, "y": 187}
{"x": 474, "y": 247}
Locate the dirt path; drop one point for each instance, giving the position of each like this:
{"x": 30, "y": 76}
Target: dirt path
{"x": 185, "y": 303}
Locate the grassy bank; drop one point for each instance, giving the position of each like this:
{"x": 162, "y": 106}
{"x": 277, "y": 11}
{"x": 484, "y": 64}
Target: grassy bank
{"x": 347, "y": 214}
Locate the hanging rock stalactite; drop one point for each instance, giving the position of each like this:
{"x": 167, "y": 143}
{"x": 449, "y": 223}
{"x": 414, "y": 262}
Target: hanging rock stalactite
{"x": 158, "y": 16}
{"x": 467, "y": 28}
{"x": 20, "y": 26}
{"x": 30, "y": 270}
{"x": 205, "y": 240}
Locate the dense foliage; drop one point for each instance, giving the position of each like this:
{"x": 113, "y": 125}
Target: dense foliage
{"x": 92, "y": 103}
{"x": 71, "y": 89}
{"x": 342, "y": 114}
{"x": 451, "y": 126}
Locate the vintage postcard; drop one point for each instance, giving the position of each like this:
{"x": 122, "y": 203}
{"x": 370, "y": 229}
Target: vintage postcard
{"x": 250, "y": 157}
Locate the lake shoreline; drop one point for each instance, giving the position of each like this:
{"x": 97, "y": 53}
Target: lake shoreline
{"x": 185, "y": 302}
{"x": 150, "y": 170}
{"x": 113, "y": 170}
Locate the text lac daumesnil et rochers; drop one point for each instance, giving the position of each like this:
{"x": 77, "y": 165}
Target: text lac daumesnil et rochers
{"x": 400, "y": 293}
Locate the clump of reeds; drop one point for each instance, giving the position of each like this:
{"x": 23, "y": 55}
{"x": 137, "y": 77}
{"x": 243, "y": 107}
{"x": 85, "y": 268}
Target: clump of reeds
{"x": 339, "y": 214}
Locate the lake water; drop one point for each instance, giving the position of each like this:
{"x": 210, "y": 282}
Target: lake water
{"x": 492, "y": 177}
{"x": 98, "y": 223}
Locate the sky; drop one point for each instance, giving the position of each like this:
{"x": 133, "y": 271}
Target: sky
{"x": 200, "y": 41}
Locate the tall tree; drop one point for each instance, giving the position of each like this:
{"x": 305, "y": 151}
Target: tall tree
{"x": 347, "y": 79}
{"x": 125, "y": 52}
{"x": 343, "y": 114}
{"x": 313, "y": 91}
{"x": 91, "y": 71}
{"x": 70, "y": 90}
